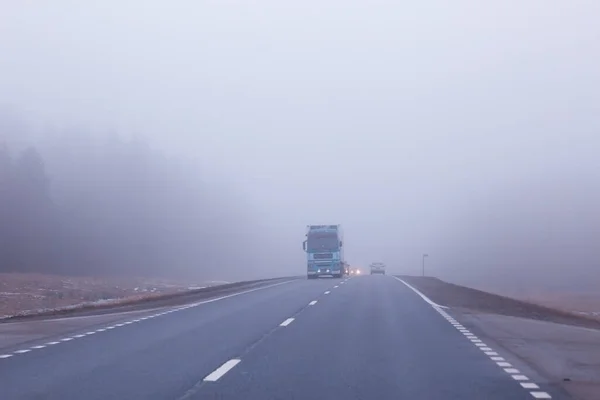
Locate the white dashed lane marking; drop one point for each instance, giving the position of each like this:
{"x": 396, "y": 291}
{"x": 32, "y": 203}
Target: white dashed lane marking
{"x": 500, "y": 361}
{"x": 312, "y": 303}
{"x": 529, "y": 385}
{"x": 222, "y": 370}
{"x": 541, "y": 395}
{"x": 287, "y": 322}
{"x": 108, "y": 328}
{"x": 327, "y": 292}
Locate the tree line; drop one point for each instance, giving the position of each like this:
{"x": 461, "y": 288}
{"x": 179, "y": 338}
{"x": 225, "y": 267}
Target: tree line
{"x": 115, "y": 206}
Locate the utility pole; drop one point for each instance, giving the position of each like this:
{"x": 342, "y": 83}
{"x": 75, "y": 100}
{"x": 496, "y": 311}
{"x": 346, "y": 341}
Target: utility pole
{"x": 424, "y": 255}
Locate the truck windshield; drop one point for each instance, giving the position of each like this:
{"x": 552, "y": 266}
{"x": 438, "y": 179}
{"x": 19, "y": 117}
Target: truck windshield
{"x": 322, "y": 242}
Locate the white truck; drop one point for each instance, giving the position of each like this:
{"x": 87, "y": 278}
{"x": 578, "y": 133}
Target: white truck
{"x": 377, "y": 268}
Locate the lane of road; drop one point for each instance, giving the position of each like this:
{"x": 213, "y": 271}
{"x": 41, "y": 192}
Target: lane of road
{"x": 367, "y": 337}
{"x": 158, "y": 358}
{"x": 372, "y": 339}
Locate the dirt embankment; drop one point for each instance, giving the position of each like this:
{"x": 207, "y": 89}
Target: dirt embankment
{"x": 472, "y": 299}
{"x": 22, "y": 294}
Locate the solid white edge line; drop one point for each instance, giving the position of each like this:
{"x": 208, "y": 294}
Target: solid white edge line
{"x": 427, "y": 299}
{"x": 515, "y": 373}
{"x": 287, "y": 322}
{"x": 192, "y": 305}
{"x": 222, "y": 370}
{"x": 244, "y": 292}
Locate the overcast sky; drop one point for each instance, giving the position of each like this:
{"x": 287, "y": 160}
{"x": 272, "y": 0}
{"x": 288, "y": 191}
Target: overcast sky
{"x": 392, "y": 118}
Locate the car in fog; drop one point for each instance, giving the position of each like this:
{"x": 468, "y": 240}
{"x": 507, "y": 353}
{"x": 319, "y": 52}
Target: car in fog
{"x": 355, "y": 271}
{"x": 377, "y": 268}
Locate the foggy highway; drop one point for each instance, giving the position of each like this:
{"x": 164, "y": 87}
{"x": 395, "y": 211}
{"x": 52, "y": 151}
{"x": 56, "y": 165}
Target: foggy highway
{"x": 367, "y": 337}
{"x": 147, "y": 148}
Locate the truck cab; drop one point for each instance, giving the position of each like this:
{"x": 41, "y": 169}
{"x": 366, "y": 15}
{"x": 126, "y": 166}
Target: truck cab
{"x": 324, "y": 254}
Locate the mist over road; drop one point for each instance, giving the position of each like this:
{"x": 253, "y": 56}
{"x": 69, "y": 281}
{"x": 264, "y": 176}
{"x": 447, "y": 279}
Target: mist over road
{"x": 362, "y": 337}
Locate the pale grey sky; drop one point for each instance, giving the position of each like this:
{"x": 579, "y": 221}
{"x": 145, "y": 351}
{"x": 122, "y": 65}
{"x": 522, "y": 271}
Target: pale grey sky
{"x": 395, "y": 119}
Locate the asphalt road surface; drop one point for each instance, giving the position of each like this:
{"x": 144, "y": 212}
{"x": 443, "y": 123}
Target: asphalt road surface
{"x": 369, "y": 337}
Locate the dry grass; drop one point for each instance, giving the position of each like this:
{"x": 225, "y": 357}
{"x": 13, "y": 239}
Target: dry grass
{"x": 30, "y": 293}
{"x": 582, "y": 302}
{"x": 464, "y": 297}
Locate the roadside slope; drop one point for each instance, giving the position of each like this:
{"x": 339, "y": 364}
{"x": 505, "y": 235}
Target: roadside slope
{"x": 463, "y": 297}
{"x": 564, "y": 347}
{"x": 141, "y": 303}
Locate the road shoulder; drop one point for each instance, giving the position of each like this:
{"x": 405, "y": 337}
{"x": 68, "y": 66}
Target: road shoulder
{"x": 563, "y": 347}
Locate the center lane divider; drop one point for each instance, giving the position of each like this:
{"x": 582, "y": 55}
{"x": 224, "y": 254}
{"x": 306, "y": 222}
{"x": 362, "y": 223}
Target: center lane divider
{"x": 230, "y": 364}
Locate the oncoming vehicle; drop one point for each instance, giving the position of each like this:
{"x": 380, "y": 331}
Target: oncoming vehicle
{"x": 324, "y": 251}
{"x": 355, "y": 271}
{"x": 377, "y": 268}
